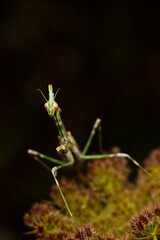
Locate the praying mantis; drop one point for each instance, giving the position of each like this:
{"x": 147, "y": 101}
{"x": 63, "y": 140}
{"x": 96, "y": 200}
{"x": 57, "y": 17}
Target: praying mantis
{"x": 68, "y": 146}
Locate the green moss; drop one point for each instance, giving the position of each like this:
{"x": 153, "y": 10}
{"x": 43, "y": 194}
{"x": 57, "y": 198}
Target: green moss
{"x": 99, "y": 194}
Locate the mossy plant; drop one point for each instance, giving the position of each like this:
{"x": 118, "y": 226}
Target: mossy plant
{"x": 102, "y": 200}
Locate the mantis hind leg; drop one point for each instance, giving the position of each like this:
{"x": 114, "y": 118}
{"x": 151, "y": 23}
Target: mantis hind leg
{"x": 54, "y": 173}
{"x": 61, "y": 164}
{"x": 121, "y": 155}
{"x": 96, "y": 125}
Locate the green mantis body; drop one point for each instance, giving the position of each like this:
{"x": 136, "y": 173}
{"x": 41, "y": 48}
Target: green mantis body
{"x": 68, "y": 146}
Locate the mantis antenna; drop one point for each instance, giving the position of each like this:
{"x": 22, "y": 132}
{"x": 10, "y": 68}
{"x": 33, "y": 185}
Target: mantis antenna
{"x": 43, "y": 94}
{"x": 56, "y": 93}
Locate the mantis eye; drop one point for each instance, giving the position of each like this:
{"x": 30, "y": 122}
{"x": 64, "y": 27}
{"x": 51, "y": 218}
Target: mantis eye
{"x": 46, "y": 105}
{"x": 55, "y": 105}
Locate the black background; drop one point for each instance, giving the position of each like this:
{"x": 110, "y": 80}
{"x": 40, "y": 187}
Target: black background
{"x": 104, "y": 56}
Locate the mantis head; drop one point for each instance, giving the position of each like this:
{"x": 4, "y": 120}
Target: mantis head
{"x": 50, "y": 104}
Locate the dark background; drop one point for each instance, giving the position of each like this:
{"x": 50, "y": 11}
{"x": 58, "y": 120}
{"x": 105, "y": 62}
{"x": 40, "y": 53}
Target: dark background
{"x": 104, "y": 56}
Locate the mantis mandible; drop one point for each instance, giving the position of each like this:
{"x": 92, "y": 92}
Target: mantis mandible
{"x": 68, "y": 146}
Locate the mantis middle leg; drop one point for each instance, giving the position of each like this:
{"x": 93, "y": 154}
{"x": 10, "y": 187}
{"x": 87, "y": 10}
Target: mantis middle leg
{"x": 96, "y": 125}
